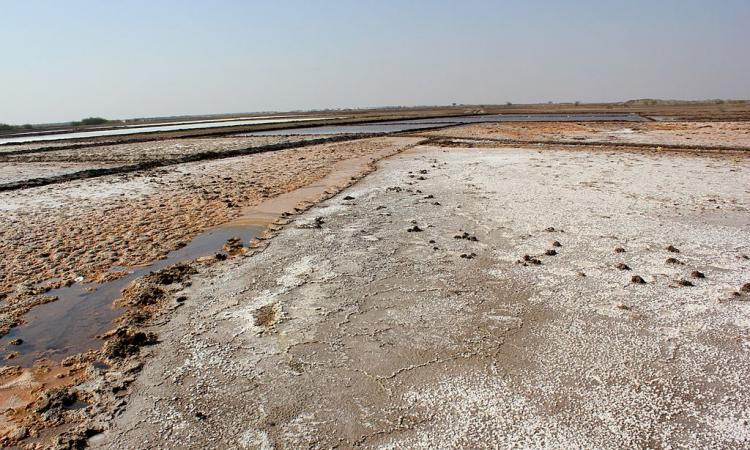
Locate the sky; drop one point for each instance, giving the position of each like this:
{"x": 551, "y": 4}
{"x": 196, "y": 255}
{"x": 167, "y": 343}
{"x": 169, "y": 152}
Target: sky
{"x": 65, "y": 60}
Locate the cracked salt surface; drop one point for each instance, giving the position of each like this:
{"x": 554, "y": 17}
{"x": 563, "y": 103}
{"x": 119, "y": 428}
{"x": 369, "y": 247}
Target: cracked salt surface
{"x": 388, "y": 343}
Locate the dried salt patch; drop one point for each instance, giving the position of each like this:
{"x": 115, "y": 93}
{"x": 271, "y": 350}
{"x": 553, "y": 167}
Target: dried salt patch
{"x": 508, "y": 321}
{"x": 256, "y": 440}
{"x": 293, "y": 274}
{"x": 497, "y": 273}
{"x": 732, "y": 428}
{"x": 463, "y": 406}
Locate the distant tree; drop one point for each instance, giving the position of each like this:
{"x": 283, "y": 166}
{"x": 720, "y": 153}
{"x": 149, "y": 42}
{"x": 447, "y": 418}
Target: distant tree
{"x": 508, "y": 103}
{"x": 28, "y": 126}
{"x": 6, "y": 127}
{"x": 577, "y": 103}
{"x": 91, "y": 121}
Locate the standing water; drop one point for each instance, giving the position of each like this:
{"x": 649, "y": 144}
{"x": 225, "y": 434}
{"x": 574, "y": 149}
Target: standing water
{"x": 71, "y": 324}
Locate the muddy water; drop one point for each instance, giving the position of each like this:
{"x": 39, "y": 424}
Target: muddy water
{"x": 70, "y": 325}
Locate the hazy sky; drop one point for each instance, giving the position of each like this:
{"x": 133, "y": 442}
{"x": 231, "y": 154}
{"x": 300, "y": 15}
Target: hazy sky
{"x": 64, "y": 60}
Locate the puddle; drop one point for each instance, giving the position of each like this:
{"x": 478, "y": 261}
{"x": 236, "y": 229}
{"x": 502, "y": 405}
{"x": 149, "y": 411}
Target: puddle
{"x": 100, "y": 365}
{"x": 70, "y": 325}
{"x": 78, "y": 404}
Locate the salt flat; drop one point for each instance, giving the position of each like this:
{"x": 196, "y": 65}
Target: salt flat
{"x": 471, "y": 298}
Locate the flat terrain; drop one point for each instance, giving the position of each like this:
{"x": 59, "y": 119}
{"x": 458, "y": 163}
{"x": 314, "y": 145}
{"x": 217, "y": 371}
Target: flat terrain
{"x": 476, "y": 290}
{"x": 55, "y": 234}
{"x": 439, "y": 338}
{"x": 693, "y": 134}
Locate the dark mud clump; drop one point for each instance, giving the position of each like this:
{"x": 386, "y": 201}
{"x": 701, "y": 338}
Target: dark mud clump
{"x": 233, "y": 246}
{"x": 636, "y": 279}
{"x": 127, "y": 342}
{"x": 672, "y": 248}
{"x": 619, "y": 250}
{"x": 550, "y": 252}
{"x": 143, "y": 294}
{"x": 265, "y": 316}
{"x": 623, "y": 266}
{"x": 528, "y": 259}
{"x": 685, "y": 283}
{"x": 556, "y": 244}
{"x": 414, "y": 229}
{"x": 348, "y": 197}
{"x": 53, "y": 403}
{"x": 176, "y": 273}
{"x": 745, "y": 288}
{"x": 76, "y": 439}
{"x": 469, "y": 255}
{"x": 466, "y": 236}
{"x": 697, "y": 274}
{"x": 673, "y": 261}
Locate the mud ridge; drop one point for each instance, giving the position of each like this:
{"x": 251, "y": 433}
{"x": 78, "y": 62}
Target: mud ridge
{"x": 147, "y": 165}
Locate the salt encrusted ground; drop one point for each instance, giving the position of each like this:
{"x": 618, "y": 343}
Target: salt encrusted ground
{"x": 55, "y": 234}
{"x": 351, "y": 330}
{"x": 700, "y": 134}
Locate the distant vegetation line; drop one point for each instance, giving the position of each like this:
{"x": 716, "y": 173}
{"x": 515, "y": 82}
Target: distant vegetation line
{"x": 641, "y": 102}
{"x": 83, "y": 122}
{"x": 6, "y": 127}
{"x": 91, "y": 121}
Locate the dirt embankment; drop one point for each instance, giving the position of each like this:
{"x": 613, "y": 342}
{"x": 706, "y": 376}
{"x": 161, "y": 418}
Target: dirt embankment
{"x": 146, "y": 160}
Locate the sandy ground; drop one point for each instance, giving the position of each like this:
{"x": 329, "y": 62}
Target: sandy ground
{"x": 61, "y": 233}
{"x": 425, "y": 308}
{"x": 728, "y": 134}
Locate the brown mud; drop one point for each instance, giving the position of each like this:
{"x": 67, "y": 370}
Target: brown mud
{"x": 146, "y": 293}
